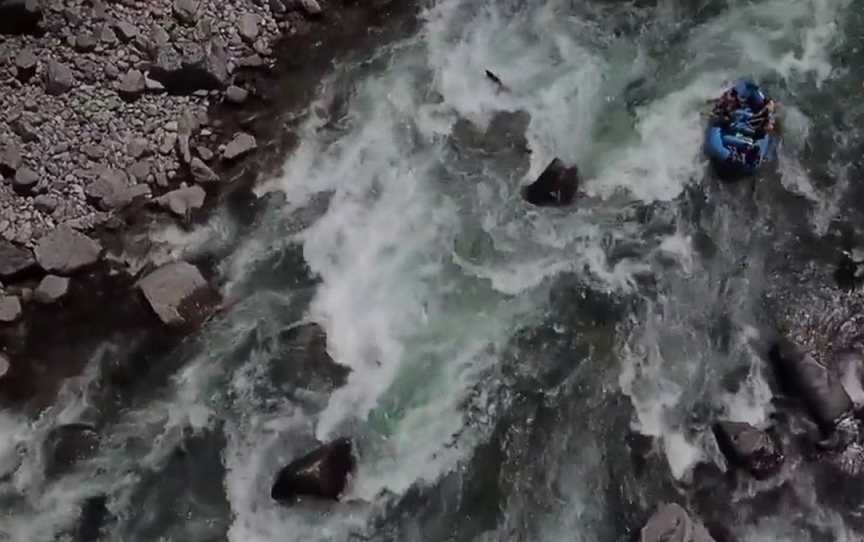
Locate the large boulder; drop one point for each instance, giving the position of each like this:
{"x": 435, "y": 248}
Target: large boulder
{"x": 240, "y": 145}
{"x": 20, "y": 16}
{"x": 170, "y": 288}
{"x": 556, "y": 187}
{"x": 202, "y": 68}
{"x": 64, "y": 251}
{"x": 671, "y": 523}
{"x": 58, "y": 78}
{"x": 820, "y": 389}
{"x": 183, "y": 200}
{"x": 112, "y": 190}
{"x": 14, "y": 261}
{"x": 322, "y": 473}
{"x": 749, "y": 448}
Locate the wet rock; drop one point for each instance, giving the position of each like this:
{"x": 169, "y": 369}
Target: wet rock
{"x": 10, "y": 159}
{"x": 241, "y": 144}
{"x": 58, "y": 78}
{"x": 112, "y": 190}
{"x": 556, "y": 186}
{"x": 25, "y": 181}
{"x": 65, "y": 251}
{"x": 5, "y": 365}
{"x": 820, "y": 390}
{"x": 311, "y": 7}
{"x": 20, "y": 17}
{"x": 132, "y": 85}
{"x": 186, "y": 11}
{"x": 749, "y": 448}
{"x": 322, "y": 473}
{"x": 251, "y": 61}
{"x": 169, "y": 287}
{"x": 183, "y": 200}
{"x": 14, "y": 261}
{"x": 303, "y": 361}
{"x": 51, "y": 289}
{"x": 248, "y": 26}
{"x": 85, "y": 42}
{"x": 201, "y": 172}
{"x": 671, "y": 523}
{"x": 66, "y": 445}
{"x": 236, "y": 95}
{"x": 10, "y": 308}
{"x": 25, "y": 64}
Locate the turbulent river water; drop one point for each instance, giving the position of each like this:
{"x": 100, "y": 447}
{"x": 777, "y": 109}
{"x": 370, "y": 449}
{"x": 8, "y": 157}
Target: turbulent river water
{"x": 516, "y": 373}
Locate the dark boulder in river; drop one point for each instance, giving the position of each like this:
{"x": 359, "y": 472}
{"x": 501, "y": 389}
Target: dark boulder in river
{"x": 321, "y": 473}
{"x": 749, "y": 448}
{"x": 671, "y": 523}
{"x": 556, "y": 186}
{"x": 821, "y": 391}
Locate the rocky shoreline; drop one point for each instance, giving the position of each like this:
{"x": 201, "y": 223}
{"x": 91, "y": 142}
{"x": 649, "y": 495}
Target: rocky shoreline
{"x": 122, "y": 115}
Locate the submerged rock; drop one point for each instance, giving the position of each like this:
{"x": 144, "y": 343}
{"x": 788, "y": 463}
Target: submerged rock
{"x": 556, "y": 186}
{"x": 671, "y": 523}
{"x": 65, "y": 251}
{"x": 169, "y": 287}
{"x": 820, "y": 390}
{"x": 68, "y": 444}
{"x": 322, "y": 473}
{"x": 749, "y": 448}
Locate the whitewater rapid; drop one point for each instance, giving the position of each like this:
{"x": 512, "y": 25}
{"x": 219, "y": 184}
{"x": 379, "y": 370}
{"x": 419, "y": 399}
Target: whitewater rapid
{"x": 427, "y": 265}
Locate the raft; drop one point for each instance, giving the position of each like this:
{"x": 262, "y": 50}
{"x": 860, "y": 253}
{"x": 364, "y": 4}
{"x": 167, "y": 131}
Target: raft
{"x": 733, "y": 146}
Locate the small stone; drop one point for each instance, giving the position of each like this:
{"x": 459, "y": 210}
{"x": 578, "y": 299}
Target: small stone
{"x": 159, "y": 36}
{"x": 10, "y": 159}
{"x": 186, "y": 11}
{"x": 168, "y": 143}
{"x": 25, "y": 64}
{"x": 241, "y": 144}
{"x": 153, "y": 85}
{"x": 45, "y": 203}
{"x": 25, "y": 181}
{"x": 171, "y": 126}
{"x": 5, "y": 365}
{"x": 137, "y": 147}
{"x": 85, "y": 42}
{"x": 248, "y": 26}
{"x": 201, "y": 172}
{"x": 10, "y": 308}
{"x": 251, "y": 61}
{"x": 107, "y": 35}
{"x": 311, "y": 7}
{"x": 94, "y": 152}
{"x": 51, "y": 289}
{"x": 236, "y": 95}
{"x": 126, "y": 31}
{"x": 65, "y": 250}
{"x": 183, "y": 200}
{"x": 112, "y": 71}
{"x": 140, "y": 170}
{"x": 58, "y": 78}
{"x": 205, "y": 153}
{"x": 132, "y": 85}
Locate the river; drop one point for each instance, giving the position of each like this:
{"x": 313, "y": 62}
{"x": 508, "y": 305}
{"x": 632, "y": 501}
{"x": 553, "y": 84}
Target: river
{"x": 516, "y": 373}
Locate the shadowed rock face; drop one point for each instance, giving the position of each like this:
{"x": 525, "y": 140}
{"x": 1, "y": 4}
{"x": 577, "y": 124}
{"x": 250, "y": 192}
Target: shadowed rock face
{"x": 323, "y": 473}
{"x": 20, "y": 17}
{"x": 556, "y": 186}
{"x": 749, "y": 448}
{"x": 819, "y": 389}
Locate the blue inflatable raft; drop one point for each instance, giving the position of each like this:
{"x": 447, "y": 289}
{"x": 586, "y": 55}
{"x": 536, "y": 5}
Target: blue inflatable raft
{"x": 739, "y": 139}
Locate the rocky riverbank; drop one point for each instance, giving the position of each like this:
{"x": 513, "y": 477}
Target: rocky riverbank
{"x": 119, "y": 115}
